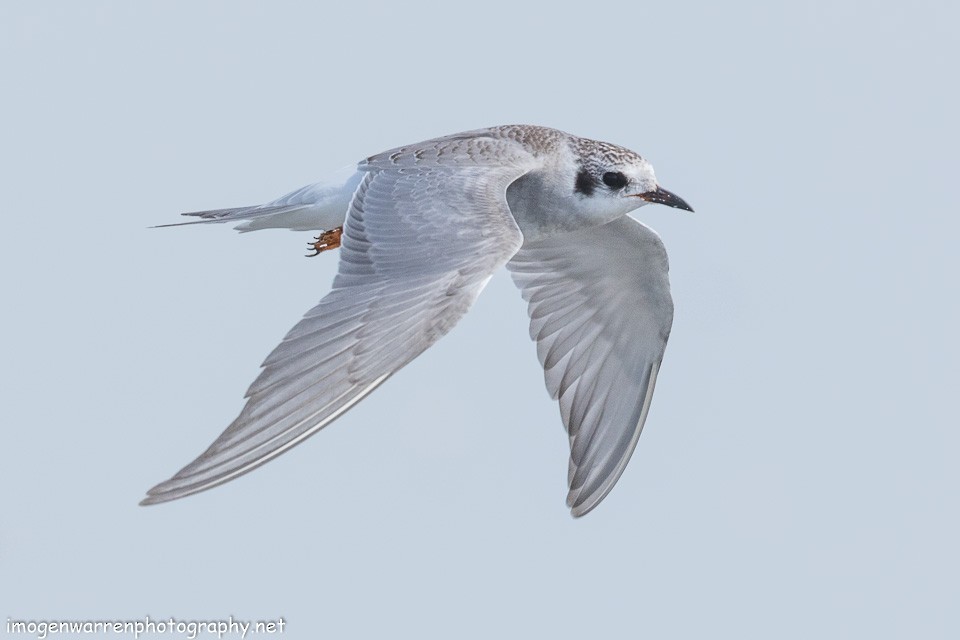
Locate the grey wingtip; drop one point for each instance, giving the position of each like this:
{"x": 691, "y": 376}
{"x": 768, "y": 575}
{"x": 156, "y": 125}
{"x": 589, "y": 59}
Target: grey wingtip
{"x": 170, "y": 490}
{"x": 149, "y": 500}
{"x": 578, "y": 509}
{"x": 156, "y": 495}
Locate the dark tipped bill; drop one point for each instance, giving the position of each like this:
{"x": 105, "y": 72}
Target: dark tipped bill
{"x": 662, "y": 196}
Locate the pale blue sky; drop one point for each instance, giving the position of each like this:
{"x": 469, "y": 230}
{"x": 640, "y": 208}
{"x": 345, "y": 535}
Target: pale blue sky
{"x": 798, "y": 474}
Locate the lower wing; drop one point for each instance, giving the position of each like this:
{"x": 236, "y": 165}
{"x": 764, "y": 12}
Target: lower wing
{"x": 600, "y": 313}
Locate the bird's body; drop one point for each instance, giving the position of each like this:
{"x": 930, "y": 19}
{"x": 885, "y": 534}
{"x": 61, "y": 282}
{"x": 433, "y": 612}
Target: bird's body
{"x": 423, "y": 229}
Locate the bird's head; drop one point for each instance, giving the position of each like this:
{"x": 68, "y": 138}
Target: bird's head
{"x": 618, "y": 180}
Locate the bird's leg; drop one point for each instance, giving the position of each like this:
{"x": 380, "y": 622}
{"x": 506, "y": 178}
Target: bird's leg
{"x": 325, "y": 241}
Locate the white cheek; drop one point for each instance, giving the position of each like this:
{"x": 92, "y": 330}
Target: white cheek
{"x": 604, "y": 208}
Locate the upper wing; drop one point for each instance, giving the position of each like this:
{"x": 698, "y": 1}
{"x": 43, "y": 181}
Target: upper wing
{"x": 600, "y": 311}
{"x": 424, "y": 232}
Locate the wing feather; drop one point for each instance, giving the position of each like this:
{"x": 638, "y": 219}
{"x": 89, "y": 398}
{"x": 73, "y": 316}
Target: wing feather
{"x": 600, "y": 311}
{"x": 424, "y": 231}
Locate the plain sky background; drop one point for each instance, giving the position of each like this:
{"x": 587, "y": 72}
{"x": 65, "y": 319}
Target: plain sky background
{"x": 797, "y": 477}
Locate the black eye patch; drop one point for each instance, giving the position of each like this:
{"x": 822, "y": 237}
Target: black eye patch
{"x": 584, "y": 183}
{"x": 614, "y": 179}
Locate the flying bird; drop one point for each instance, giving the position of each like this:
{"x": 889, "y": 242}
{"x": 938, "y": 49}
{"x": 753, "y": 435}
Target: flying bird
{"x": 420, "y": 230}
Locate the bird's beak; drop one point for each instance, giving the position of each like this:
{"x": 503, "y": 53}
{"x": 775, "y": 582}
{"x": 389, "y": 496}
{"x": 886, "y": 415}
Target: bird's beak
{"x": 662, "y": 196}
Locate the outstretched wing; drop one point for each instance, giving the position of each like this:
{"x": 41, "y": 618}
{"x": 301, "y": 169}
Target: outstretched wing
{"x": 600, "y": 312}
{"x": 425, "y": 230}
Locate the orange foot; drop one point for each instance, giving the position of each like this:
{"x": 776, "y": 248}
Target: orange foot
{"x": 325, "y": 241}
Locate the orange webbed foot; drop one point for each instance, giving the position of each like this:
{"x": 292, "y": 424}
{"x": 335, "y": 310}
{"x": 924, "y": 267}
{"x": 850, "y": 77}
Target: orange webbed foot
{"x": 325, "y": 241}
